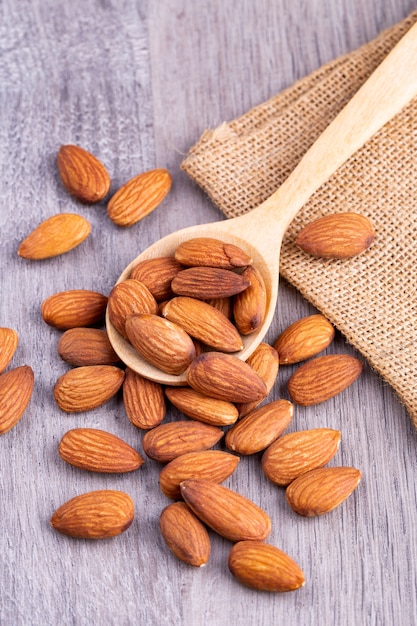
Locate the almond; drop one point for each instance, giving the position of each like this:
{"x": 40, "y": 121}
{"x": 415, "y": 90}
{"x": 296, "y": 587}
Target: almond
{"x": 127, "y": 298}
{"x": 74, "y": 308}
{"x": 86, "y": 346}
{"x": 184, "y": 534}
{"x": 224, "y": 305}
{"x": 323, "y": 377}
{"x": 261, "y": 566}
{"x": 98, "y": 451}
{"x": 299, "y": 452}
{"x": 95, "y": 515}
{"x": 225, "y": 377}
{"x": 321, "y": 490}
{"x": 250, "y": 305}
{"x": 82, "y": 174}
{"x": 85, "y": 388}
{"x": 16, "y": 388}
{"x": 54, "y": 236}
{"x": 264, "y": 360}
{"x": 228, "y": 513}
{"x": 139, "y": 197}
{"x": 202, "y": 408}
{"x": 303, "y": 339}
{"x": 260, "y": 427}
{"x": 161, "y": 342}
{"x": 9, "y": 340}
{"x": 143, "y": 399}
{"x": 167, "y": 441}
{"x": 206, "y": 251}
{"x": 212, "y": 465}
{"x": 203, "y": 322}
{"x": 156, "y": 275}
{"x": 337, "y": 236}
{"x": 208, "y": 282}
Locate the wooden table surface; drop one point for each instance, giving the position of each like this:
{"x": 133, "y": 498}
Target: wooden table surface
{"x": 137, "y": 82}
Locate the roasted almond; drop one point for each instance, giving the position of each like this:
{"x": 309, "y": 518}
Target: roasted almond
{"x": 128, "y": 298}
{"x": 224, "y": 305}
{"x": 184, "y": 534}
{"x": 208, "y": 282}
{"x": 260, "y": 427}
{"x": 303, "y": 339}
{"x": 323, "y": 377}
{"x": 321, "y": 490}
{"x": 337, "y": 236}
{"x": 161, "y": 342}
{"x": 228, "y": 513}
{"x": 97, "y": 450}
{"x": 143, "y": 399}
{"x": 203, "y": 322}
{"x": 139, "y": 197}
{"x": 225, "y": 377}
{"x": 82, "y": 174}
{"x": 250, "y": 305}
{"x": 210, "y": 252}
{"x": 168, "y": 441}
{"x": 157, "y": 274}
{"x": 299, "y": 452}
{"x": 95, "y": 515}
{"x": 212, "y": 465}
{"x": 86, "y": 346}
{"x": 87, "y": 387}
{"x": 202, "y": 408}
{"x": 16, "y": 386}
{"x": 74, "y": 308}
{"x": 9, "y": 339}
{"x": 264, "y": 360}
{"x": 260, "y": 566}
{"x": 54, "y": 236}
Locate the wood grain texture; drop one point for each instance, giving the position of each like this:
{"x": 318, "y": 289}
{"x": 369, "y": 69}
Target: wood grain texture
{"x": 137, "y": 82}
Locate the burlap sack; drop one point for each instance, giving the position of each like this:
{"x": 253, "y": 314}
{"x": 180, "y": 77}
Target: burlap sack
{"x": 372, "y": 298}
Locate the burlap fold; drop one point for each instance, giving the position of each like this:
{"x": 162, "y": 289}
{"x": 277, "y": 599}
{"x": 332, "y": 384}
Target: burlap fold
{"x": 371, "y": 298}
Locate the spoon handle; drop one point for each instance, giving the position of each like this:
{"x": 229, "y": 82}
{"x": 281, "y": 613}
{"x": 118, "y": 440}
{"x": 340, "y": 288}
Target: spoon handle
{"x": 389, "y": 88}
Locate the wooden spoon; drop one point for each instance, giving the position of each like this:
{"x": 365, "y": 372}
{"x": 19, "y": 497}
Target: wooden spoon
{"x": 391, "y": 86}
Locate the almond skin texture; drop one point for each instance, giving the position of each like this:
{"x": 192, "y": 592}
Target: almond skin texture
{"x": 16, "y": 388}
{"x": 228, "y": 513}
{"x": 184, "y": 534}
{"x": 54, "y": 236}
{"x": 203, "y": 322}
{"x": 168, "y": 441}
{"x": 260, "y": 428}
{"x": 202, "y": 408}
{"x": 157, "y": 274}
{"x": 337, "y": 236}
{"x": 261, "y": 566}
{"x": 85, "y": 388}
{"x": 209, "y": 252}
{"x": 250, "y": 305}
{"x": 98, "y": 451}
{"x": 303, "y": 339}
{"x": 323, "y": 377}
{"x": 139, "y": 197}
{"x": 212, "y": 465}
{"x": 82, "y": 174}
{"x": 74, "y": 308}
{"x": 321, "y": 490}
{"x": 225, "y": 377}
{"x": 86, "y": 346}
{"x": 9, "y": 340}
{"x": 95, "y": 515}
{"x": 128, "y": 298}
{"x": 161, "y": 342}
{"x": 208, "y": 282}
{"x": 299, "y": 452}
{"x": 264, "y": 360}
{"x": 144, "y": 400}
